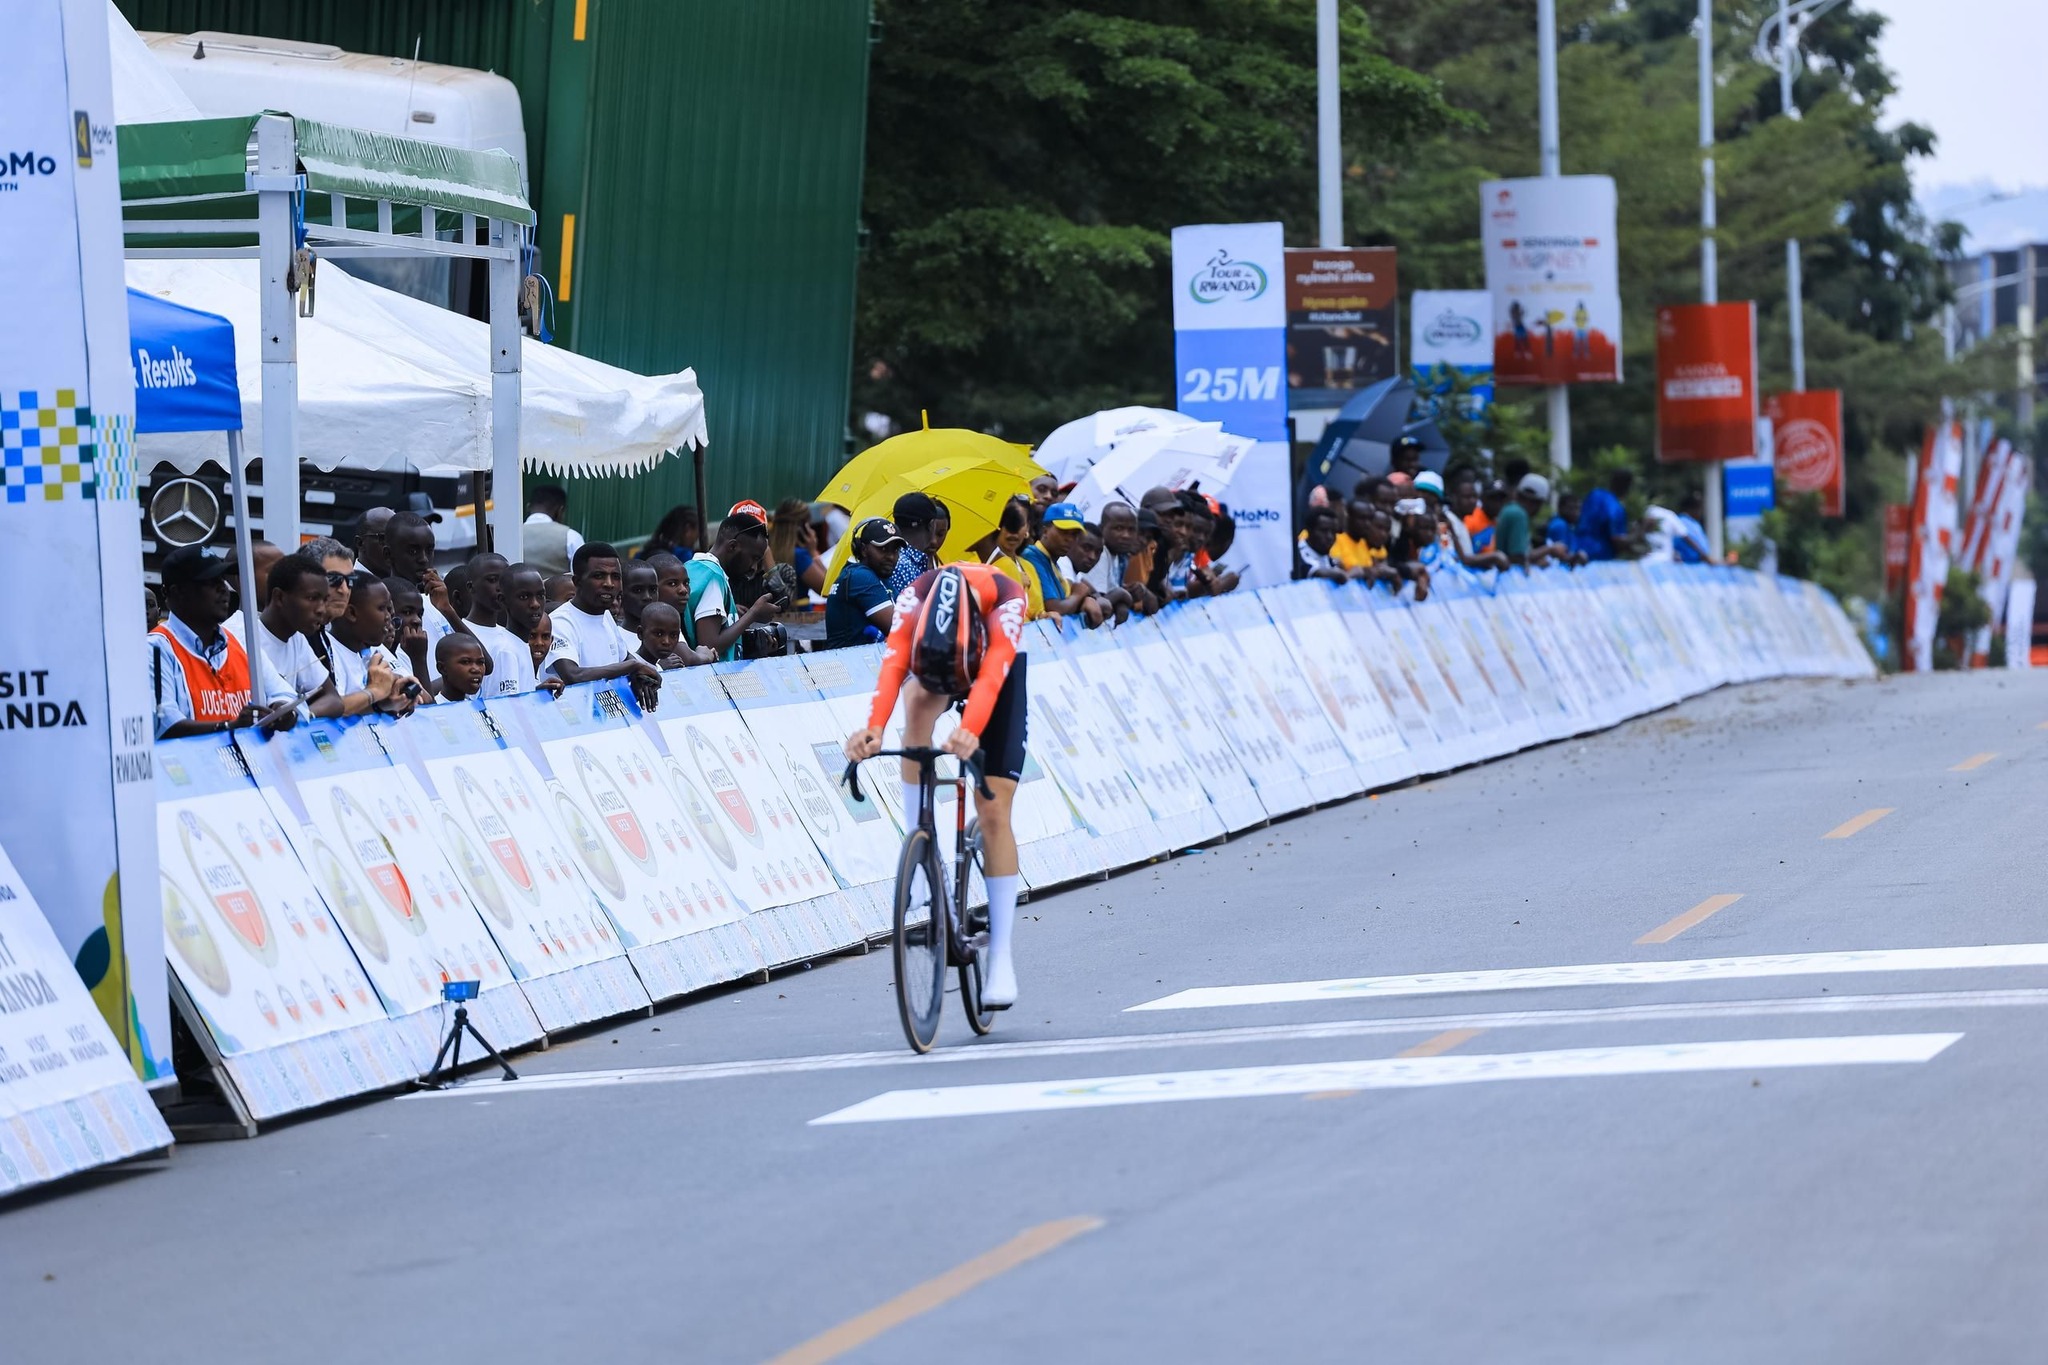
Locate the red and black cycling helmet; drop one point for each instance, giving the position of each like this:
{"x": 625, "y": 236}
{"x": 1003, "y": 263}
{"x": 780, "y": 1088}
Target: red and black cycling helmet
{"x": 949, "y": 636}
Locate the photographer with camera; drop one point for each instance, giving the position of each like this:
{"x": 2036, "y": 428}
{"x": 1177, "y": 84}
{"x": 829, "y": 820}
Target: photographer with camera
{"x": 735, "y": 556}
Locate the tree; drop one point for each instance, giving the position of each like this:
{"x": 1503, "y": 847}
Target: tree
{"x": 1027, "y": 160}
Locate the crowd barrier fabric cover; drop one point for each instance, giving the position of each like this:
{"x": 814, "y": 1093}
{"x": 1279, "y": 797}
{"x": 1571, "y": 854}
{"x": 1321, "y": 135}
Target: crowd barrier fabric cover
{"x": 647, "y": 839}
{"x": 258, "y": 958}
{"x": 366, "y": 831}
{"x": 512, "y": 853}
{"x": 69, "y": 1100}
{"x": 582, "y": 856}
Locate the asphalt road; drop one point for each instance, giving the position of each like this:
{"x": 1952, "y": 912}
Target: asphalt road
{"x": 1780, "y": 1155}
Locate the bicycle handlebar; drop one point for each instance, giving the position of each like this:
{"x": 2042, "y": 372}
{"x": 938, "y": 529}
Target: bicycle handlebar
{"x": 916, "y": 755}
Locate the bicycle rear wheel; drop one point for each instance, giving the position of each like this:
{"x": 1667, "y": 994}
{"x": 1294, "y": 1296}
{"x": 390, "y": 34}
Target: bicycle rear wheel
{"x": 979, "y": 1019}
{"x": 920, "y": 940}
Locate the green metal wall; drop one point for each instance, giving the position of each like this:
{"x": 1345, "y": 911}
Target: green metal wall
{"x": 711, "y": 153}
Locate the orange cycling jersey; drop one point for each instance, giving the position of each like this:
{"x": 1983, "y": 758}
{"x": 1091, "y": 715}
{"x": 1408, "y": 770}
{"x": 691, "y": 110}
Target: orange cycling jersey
{"x": 1001, "y": 601}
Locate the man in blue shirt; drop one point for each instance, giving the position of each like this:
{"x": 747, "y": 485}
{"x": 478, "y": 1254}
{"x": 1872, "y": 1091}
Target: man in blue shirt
{"x": 915, "y": 517}
{"x": 860, "y": 608}
{"x": 1689, "y": 546}
{"x": 1603, "y": 519}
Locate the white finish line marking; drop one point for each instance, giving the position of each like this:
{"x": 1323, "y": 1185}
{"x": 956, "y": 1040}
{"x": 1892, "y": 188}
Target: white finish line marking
{"x": 1389, "y": 1073}
{"x": 1609, "y": 974}
{"x": 1911, "y": 1001}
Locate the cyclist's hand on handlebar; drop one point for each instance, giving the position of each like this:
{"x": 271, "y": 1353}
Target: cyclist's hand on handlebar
{"x": 863, "y": 743}
{"x": 962, "y": 743}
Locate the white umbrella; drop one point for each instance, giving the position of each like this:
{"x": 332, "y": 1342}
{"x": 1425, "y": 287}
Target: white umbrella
{"x": 1073, "y": 449}
{"x": 1201, "y": 455}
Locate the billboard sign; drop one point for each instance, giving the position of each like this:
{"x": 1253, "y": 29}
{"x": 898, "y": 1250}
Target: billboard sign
{"x": 1807, "y": 431}
{"x": 1342, "y": 321}
{"x": 1553, "y": 269}
{"x": 1706, "y": 382}
{"x": 1452, "y": 328}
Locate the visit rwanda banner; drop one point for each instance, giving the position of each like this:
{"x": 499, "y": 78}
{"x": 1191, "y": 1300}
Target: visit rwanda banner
{"x": 74, "y": 713}
{"x": 1554, "y": 270}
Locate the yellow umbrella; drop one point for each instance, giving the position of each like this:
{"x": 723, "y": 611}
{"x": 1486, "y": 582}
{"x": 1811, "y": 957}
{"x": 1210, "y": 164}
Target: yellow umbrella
{"x": 856, "y": 484}
{"x": 973, "y": 490}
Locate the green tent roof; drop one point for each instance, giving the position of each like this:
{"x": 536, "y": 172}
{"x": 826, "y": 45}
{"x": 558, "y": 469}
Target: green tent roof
{"x": 211, "y": 158}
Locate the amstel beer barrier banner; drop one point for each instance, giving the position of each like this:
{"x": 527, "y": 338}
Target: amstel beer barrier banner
{"x": 582, "y": 857}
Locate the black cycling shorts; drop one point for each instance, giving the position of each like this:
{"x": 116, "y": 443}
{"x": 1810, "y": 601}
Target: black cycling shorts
{"x": 1002, "y": 740}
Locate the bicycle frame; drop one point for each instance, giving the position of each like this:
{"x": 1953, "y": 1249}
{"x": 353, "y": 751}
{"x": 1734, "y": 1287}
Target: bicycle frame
{"x": 955, "y": 890}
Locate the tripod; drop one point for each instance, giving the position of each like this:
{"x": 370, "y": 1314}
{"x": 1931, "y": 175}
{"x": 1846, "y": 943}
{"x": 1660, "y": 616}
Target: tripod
{"x": 451, "y": 1046}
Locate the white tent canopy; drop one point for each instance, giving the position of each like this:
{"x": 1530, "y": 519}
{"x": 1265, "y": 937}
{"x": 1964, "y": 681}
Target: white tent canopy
{"x": 387, "y": 381}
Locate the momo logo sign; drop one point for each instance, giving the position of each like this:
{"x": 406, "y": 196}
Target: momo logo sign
{"x": 18, "y": 166}
{"x": 1224, "y": 279}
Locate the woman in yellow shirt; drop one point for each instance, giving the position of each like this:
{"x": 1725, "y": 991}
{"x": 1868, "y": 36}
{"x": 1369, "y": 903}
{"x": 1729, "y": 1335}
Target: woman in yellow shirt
{"x": 1013, "y": 532}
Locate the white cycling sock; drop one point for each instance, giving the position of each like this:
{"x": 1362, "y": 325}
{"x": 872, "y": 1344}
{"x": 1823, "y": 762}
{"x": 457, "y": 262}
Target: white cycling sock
{"x": 1002, "y": 914}
{"x": 913, "y": 804}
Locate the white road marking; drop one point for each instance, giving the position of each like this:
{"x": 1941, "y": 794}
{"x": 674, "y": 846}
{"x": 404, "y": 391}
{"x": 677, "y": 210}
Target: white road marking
{"x": 1610, "y": 974}
{"x": 1257, "y": 1033}
{"x": 1387, "y": 1073}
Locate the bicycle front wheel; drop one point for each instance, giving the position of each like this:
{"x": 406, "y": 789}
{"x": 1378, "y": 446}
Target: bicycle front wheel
{"x": 920, "y": 940}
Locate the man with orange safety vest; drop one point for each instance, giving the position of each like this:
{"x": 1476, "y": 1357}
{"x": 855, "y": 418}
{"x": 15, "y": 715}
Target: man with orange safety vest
{"x": 201, "y": 680}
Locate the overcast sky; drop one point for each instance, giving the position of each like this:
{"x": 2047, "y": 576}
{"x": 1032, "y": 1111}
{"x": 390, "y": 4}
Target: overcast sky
{"x": 1968, "y": 69}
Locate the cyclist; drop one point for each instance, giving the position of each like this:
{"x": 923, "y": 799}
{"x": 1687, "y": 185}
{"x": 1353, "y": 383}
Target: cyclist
{"x": 957, "y": 638}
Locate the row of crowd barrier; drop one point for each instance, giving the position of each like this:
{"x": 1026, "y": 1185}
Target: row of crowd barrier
{"x": 583, "y": 858}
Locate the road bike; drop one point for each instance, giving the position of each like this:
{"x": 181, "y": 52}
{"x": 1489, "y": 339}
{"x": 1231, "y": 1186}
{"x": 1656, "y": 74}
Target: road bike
{"x": 935, "y": 928}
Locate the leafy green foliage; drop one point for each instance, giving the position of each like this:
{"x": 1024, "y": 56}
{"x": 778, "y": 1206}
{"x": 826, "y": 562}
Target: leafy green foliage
{"x": 1027, "y": 160}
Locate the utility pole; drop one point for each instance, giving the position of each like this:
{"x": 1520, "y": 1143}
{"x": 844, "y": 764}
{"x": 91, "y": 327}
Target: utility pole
{"x": 1795, "y": 302}
{"x": 1559, "y": 395}
{"x": 1329, "y": 146}
{"x": 1710, "y": 278}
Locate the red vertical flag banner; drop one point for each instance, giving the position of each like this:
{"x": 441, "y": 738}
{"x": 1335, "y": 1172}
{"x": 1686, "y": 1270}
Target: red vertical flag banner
{"x": 1898, "y": 543}
{"x": 1933, "y": 529}
{"x": 1807, "y": 434}
{"x": 1706, "y": 382}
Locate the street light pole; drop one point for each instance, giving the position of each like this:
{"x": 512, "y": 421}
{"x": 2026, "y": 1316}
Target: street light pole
{"x": 1552, "y": 162}
{"x": 1710, "y": 277}
{"x": 1795, "y": 301}
{"x": 1329, "y": 148}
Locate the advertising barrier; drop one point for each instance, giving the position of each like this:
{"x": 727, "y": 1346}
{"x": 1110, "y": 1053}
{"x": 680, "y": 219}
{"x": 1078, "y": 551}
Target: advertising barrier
{"x": 583, "y": 857}
{"x": 260, "y": 966}
{"x": 69, "y": 1100}
{"x": 511, "y": 854}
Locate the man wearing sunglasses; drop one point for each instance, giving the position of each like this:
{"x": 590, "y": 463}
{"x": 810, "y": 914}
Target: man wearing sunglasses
{"x": 299, "y": 599}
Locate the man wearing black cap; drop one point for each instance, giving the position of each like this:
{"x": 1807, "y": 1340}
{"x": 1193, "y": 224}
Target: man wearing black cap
{"x": 713, "y": 621}
{"x": 915, "y": 515}
{"x": 202, "y": 680}
{"x": 860, "y": 608}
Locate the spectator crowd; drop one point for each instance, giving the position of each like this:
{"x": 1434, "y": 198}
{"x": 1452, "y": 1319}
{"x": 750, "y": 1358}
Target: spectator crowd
{"x": 346, "y": 630}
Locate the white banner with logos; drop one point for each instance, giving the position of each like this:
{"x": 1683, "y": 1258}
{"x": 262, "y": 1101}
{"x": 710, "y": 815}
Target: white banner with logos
{"x": 73, "y": 705}
{"x": 68, "y": 1098}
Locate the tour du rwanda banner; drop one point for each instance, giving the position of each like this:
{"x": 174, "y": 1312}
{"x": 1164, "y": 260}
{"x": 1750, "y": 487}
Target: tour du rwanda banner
{"x": 1806, "y": 436}
{"x": 1706, "y": 382}
{"x": 74, "y": 710}
{"x": 68, "y": 1098}
{"x": 1553, "y": 269}
{"x": 1230, "y": 356}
